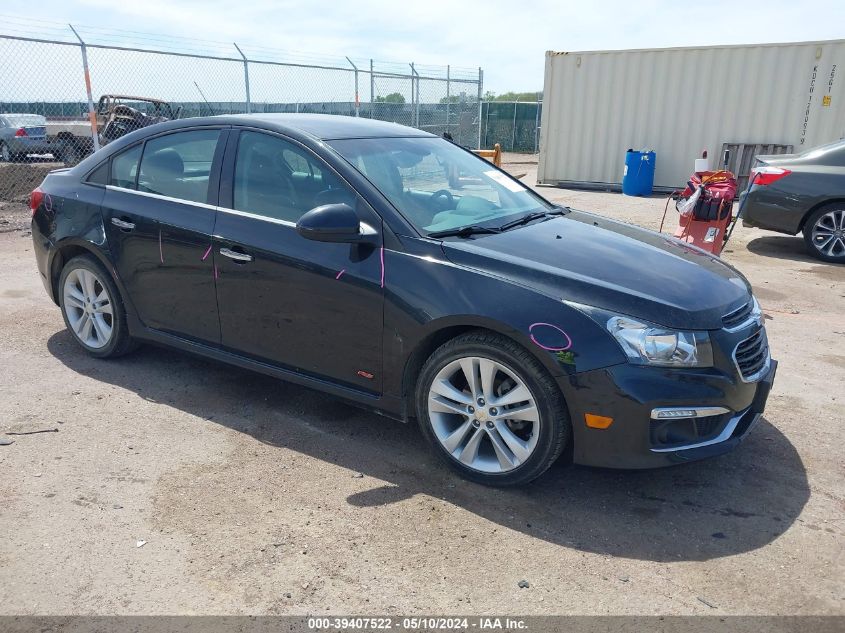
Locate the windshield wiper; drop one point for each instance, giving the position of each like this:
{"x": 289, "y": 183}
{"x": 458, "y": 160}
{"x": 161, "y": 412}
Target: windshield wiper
{"x": 536, "y": 215}
{"x": 464, "y": 231}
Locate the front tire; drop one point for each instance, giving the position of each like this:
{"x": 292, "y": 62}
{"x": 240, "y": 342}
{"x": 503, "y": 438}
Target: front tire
{"x": 824, "y": 233}
{"x": 92, "y": 308}
{"x": 491, "y": 410}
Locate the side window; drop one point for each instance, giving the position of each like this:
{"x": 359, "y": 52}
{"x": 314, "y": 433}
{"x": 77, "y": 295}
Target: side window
{"x": 124, "y": 168}
{"x": 277, "y": 179}
{"x": 178, "y": 165}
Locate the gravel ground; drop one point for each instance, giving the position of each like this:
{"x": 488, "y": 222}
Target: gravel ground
{"x": 163, "y": 483}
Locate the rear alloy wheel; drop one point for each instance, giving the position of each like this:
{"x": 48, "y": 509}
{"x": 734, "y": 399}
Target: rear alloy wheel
{"x": 92, "y": 309}
{"x": 88, "y": 307}
{"x": 493, "y": 423}
{"x": 824, "y": 233}
{"x": 5, "y": 154}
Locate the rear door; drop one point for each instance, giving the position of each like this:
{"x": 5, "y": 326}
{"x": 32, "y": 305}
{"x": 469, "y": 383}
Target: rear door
{"x": 159, "y": 213}
{"x": 312, "y": 307}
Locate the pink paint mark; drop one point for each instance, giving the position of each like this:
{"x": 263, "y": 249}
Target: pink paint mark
{"x": 381, "y": 255}
{"x": 160, "y": 252}
{"x": 340, "y": 274}
{"x": 216, "y": 274}
{"x": 206, "y": 252}
{"x": 546, "y": 347}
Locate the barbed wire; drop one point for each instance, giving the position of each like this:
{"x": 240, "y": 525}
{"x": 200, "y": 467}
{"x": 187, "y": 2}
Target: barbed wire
{"x": 22, "y": 26}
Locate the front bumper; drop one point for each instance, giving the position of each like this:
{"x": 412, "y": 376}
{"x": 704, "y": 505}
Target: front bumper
{"x": 630, "y": 395}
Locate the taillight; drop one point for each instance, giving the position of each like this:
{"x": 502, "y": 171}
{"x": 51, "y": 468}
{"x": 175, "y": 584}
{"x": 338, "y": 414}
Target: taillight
{"x": 767, "y": 174}
{"x": 35, "y": 199}
{"x": 21, "y": 132}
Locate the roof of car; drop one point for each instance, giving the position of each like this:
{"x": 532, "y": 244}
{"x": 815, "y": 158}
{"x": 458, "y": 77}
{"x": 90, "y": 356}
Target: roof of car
{"x": 324, "y": 126}
{"x": 134, "y": 98}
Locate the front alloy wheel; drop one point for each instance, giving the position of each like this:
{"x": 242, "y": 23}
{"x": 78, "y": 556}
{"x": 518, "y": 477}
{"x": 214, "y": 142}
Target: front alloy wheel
{"x": 491, "y": 410}
{"x": 483, "y": 414}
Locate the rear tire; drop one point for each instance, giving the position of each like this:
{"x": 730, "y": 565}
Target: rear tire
{"x": 93, "y": 309}
{"x": 70, "y": 154}
{"x": 824, "y": 233}
{"x": 470, "y": 427}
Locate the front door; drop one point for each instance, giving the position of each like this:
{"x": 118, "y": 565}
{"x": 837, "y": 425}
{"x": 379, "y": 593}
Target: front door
{"x": 311, "y": 307}
{"x": 159, "y": 225}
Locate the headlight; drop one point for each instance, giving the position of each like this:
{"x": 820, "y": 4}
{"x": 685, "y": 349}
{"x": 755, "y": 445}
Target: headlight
{"x": 649, "y": 344}
{"x": 654, "y": 345}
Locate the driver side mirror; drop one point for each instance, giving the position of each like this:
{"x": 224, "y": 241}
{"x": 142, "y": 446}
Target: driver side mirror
{"x": 334, "y": 223}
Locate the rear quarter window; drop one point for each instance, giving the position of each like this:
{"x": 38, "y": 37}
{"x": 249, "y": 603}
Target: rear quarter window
{"x": 124, "y": 168}
{"x": 100, "y": 176}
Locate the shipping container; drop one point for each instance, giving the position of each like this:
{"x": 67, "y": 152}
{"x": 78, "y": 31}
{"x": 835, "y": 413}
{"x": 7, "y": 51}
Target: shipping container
{"x": 762, "y": 98}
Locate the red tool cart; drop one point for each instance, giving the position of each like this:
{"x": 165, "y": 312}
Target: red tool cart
{"x": 705, "y": 209}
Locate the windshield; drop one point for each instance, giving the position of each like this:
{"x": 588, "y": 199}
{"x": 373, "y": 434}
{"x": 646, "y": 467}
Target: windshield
{"x": 437, "y": 185}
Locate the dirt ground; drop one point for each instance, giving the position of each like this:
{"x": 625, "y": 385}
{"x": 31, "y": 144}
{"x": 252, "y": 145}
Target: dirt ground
{"x": 167, "y": 484}
{"x": 17, "y": 180}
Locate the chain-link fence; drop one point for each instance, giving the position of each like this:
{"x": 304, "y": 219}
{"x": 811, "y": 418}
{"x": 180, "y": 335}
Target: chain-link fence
{"x": 514, "y": 125}
{"x": 63, "y": 96}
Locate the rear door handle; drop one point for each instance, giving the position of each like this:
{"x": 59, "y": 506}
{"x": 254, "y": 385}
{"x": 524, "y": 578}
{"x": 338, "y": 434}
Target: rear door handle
{"x": 123, "y": 225}
{"x": 238, "y": 257}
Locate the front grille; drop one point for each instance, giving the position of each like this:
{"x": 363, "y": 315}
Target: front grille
{"x": 738, "y": 316}
{"x": 752, "y": 355}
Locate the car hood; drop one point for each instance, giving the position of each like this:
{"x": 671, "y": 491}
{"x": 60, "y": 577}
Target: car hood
{"x": 591, "y": 260}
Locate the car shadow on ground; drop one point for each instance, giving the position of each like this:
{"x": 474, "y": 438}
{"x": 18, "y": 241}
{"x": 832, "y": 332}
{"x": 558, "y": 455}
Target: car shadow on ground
{"x": 782, "y": 247}
{"x": 725, "y": 506}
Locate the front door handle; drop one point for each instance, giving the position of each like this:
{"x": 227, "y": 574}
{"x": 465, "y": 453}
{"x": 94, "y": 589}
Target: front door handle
{"x": 123, "y": 225}
{"x": 238, "y": 257}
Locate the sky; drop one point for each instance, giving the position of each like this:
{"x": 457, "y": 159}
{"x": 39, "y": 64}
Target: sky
{"x": 507, "y": 39}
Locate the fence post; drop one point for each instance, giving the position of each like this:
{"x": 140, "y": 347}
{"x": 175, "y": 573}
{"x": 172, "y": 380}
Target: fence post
{"x": 480, "y": 87}
{"x": 372, "y": 89}
{"x": 246, "y": 78}
{"x": 448, "y": 94}
{"x": 357, "y": 102}
{"x": 415, "y": 103}
{"x": 486, "y": 124}
{"x": 513, "y": 127}
{"x": 92, "y": 116}
{"x": 537, "y": 124}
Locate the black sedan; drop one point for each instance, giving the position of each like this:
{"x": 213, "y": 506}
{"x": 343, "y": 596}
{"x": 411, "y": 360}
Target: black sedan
{"x": 397, "y": 270}
{"x": 802, "y": 193}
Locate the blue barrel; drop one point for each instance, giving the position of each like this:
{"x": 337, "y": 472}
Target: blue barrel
{"x": 638, "y": 178}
